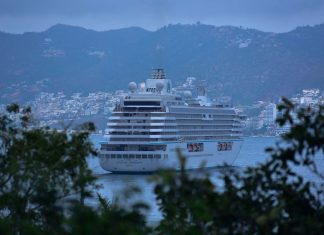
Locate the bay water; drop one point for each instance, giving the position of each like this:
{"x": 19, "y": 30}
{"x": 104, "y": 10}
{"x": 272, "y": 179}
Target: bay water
{"x": 117, "y": 187}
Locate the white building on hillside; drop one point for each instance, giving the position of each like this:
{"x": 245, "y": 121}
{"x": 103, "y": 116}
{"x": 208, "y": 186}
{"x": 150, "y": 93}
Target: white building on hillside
{"x": 270, "y": 114}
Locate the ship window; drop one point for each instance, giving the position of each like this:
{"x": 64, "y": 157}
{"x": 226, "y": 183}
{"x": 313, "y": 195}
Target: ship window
{"x": 144, "y": 156}
{"x": 138, "y": 156}
{"x": 131, "y": 155}
{"x": 195, "y": 147}
{"x": 150, "y": 156}
{"x": 113, "y": 155}
{"x": 125, "y": 155}
{"x": 119, "y": 155}
{"x": 157, "y": 156}
{"x": 224, "y": 146}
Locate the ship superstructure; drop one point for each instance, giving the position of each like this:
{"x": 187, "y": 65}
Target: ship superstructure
{"x": 151, "y": 122}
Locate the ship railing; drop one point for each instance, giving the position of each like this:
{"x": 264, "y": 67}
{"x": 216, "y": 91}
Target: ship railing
{"x": 209, "y": 128}
{"x": 215, "y": 138}
{"x": 140, "y": 118}
{"x": 141, "y": 135}
{"x": 191, "y": 121}
{"x": 204, "y": 123}
{"x": 146, "y": 124}
{"x": 139, "y": 109}
{"x": 140, "y": 140}
{"x": 133, "y": 147}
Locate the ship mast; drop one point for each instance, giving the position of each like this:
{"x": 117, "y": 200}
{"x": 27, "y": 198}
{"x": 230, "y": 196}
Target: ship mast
{"x": 158, "y": 74}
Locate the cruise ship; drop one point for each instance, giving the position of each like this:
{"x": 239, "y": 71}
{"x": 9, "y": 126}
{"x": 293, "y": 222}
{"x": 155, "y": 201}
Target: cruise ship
{"x": 152, "y": 123}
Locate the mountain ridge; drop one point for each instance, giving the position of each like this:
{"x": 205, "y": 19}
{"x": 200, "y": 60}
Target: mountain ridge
{"x": 246, "y": 64}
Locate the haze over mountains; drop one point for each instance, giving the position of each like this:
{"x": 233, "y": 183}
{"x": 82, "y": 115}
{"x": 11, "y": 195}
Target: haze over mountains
{"x": 246, "y": 64}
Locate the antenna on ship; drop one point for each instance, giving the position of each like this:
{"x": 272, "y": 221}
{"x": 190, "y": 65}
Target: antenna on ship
{"x": 158, "y": 73}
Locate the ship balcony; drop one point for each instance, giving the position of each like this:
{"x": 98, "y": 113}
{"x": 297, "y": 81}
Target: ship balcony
{"x": 206, "y": 119}
{"x": 133, "y": 141}
{"x": 208, "y": 134}
{"x": 207, "y": 122}
{"x": 204, "y": 123}
{"x": 140, "y": 118}
{"x": 197, "y": 128}
{"x": 157, "y": 124}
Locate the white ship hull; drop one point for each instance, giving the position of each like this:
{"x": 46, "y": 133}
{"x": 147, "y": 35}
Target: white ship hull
{"x": 210, "y": 157}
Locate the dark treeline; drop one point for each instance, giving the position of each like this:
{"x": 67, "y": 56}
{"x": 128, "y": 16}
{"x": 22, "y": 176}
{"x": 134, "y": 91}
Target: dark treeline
{"x": 45, "y": 180}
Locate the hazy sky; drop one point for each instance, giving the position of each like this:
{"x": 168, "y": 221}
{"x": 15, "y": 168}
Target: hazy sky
{"x": 269, "y": 15}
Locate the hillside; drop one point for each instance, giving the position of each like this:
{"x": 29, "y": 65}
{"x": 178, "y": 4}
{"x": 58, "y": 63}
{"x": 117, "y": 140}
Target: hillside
{"x": 246, "y": 64}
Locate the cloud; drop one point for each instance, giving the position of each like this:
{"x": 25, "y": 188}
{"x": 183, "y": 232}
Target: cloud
{"x": 269, "y": 15}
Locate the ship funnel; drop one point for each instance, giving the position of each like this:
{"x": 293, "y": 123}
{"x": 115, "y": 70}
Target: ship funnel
{"x": 159, "y": 86}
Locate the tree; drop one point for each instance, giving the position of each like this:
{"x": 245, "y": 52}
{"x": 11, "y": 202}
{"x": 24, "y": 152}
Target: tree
{"x": 42, "y": 170}
{"x": 45, "y": 179}
{"x": 268, "y": 199}
{"x": 107, "y": 219}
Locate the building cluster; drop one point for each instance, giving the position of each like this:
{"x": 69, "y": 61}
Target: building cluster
{"x": 261, "y": 117}
{"x": 51, "y": 108}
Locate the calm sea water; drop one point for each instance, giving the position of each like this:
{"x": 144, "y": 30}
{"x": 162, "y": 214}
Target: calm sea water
{"x": 115, "y": 187}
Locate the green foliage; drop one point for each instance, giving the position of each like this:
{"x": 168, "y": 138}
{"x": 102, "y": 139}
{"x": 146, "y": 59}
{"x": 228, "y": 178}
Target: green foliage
{"x": 305, "y": 138}
{"x": 179, "y": 196}
{"x": 268, "y": 199}
{"x": 44, "y": 181}
{"x": 42, "y": 170}
{"x": 107, "y": 219}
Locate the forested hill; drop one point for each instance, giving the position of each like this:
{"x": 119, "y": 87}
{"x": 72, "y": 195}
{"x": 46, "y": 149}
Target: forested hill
{"x": 246, "y": 64}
